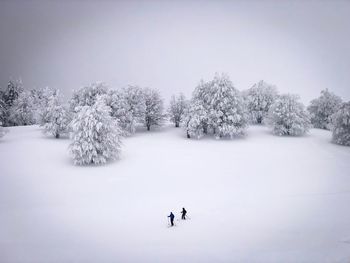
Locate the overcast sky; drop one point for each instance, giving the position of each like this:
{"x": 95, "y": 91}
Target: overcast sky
{"x": 300, "y": 46}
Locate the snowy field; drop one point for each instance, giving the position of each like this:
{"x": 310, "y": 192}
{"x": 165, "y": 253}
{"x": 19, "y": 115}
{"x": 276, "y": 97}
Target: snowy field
{"x": 257, "y": 199}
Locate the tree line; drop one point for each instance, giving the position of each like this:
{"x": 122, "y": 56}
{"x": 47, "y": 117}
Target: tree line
{"x": 97, "y": 118}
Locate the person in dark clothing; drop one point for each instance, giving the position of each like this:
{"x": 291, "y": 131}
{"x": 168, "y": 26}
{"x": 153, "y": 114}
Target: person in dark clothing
{"x": 184, "y": 212}
{"x": 171, "y": 218}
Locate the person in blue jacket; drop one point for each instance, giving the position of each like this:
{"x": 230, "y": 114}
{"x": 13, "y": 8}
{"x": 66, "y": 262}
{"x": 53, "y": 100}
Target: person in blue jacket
{"x": 171, "y": 218}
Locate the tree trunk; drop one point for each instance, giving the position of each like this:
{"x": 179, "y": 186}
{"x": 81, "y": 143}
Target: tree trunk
{"x": 148, "y": 127}
{"x": 188, "y": 135}
{"x": 57, "y": 135}
{"x": 177, "y": 124}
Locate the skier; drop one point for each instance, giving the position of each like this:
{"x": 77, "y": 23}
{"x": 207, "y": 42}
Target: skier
{"x": 171, "y": 218}
{"x": 184, "y": 212}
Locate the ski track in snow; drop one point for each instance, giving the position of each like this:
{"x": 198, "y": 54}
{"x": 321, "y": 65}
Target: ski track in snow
{"x": 260, "y": 198}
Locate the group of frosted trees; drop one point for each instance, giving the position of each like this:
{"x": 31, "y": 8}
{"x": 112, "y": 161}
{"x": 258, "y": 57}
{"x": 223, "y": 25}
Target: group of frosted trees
{"x": 97, "y": 117}
{"x": 21, "y": 107}
{"x": 217, "y": 108}
{"x": 17, "y": 106}
{"x": 101, "y": 117}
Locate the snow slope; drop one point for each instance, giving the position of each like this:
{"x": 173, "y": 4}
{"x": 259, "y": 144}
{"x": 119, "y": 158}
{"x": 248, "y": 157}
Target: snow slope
{"x": 261, "y": 198}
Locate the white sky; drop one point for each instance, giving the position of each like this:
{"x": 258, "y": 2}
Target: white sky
{"x": 300, "y": 46}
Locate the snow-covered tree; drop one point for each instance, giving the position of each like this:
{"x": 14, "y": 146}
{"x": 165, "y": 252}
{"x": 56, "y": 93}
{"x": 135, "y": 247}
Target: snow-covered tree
{"x": 195, "y": 120}
{"x": 22, "y": 111}
{"x": 14, "y": 88}
{"x": 200, "y": 106}
{"x": 287, "y": 116}
{"x": 87, "y": 95}
{"x": 227, "y": 115}
{"x": 341, "y": 125}
{"x": 218, "y": 108}
{"x": 120, "y": 110}
{"x": 96, "y": 135}
{"x": 40, "y": 98}
{"x": 42, "y": 107}
{"x": 8, "y": 96}
{"x": 58, "y": 117}
{"x": 177, "y": 108}
{"x": 135, "y": 99}
{"x": 322, "y": 108}
{"x": 259, "y": 99}
{"x": 154, "y": 115}
{"x": 36, "y": 95}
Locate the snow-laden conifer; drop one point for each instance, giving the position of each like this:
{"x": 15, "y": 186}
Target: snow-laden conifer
{"x": 154, "y": 115}
{"x": 322, "y": 108}
{"x": 96, "y": 135}
{"x": 259, "y": 99}
{"x": 341, "y": 125}
{"x": 287, "y": 116}
{"x": 177, "y": 108}
{"x": 58, "y": 117}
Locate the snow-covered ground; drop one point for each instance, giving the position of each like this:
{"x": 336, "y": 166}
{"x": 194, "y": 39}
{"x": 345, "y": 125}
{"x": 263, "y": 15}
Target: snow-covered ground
{"x": 261, "y": 198}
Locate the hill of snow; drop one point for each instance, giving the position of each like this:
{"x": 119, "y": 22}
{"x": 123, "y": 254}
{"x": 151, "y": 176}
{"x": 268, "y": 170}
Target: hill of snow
{"x": 261, "y": 198}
